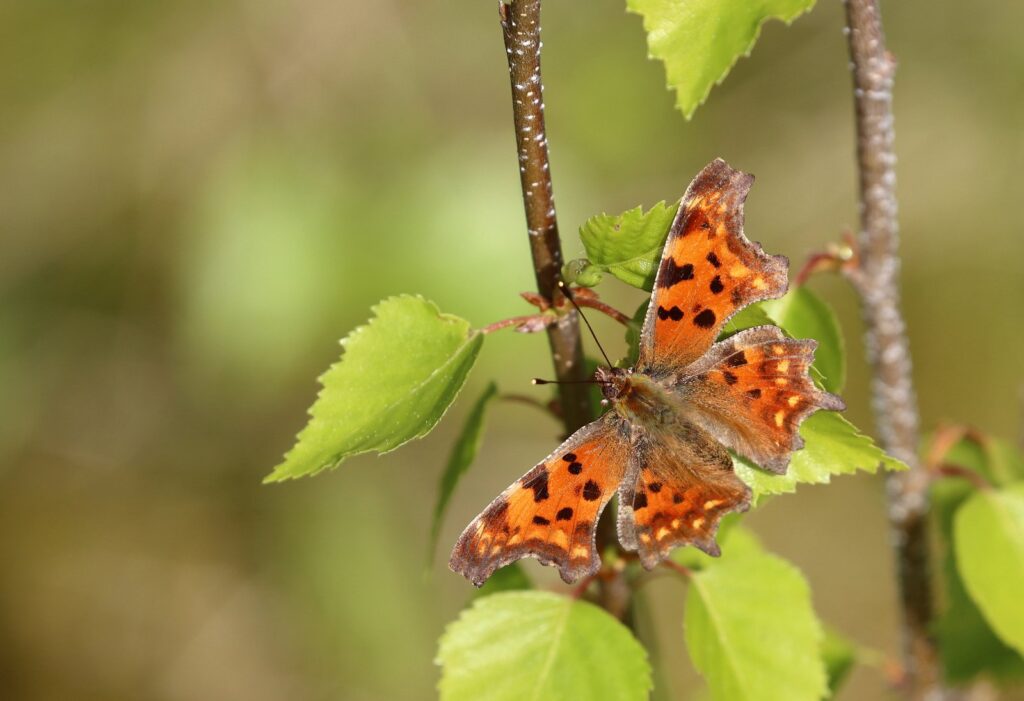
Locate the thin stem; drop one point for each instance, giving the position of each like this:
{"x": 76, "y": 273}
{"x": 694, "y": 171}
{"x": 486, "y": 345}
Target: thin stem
{"x": 548, "y": 409}
{"x": 677, "y": 568}
{"x": 529, "y": 323}
{"x": 606, "y": 309}
{"x": 520, "y": 23}
{"x": 876, "y": 279}
{"x": 961, "y": 472}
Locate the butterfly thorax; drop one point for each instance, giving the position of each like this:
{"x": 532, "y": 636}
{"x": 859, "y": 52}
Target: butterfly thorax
{"x": 636, "y": 397}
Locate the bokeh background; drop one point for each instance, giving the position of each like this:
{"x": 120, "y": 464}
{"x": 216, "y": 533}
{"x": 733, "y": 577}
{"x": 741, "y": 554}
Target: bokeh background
{"x": 197, "y": 199}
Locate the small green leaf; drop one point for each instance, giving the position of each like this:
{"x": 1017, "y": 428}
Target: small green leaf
{"x": 511, "y": 577}
{"x": 832, "y": 446}
{"x": 628, "y": 246}
{"x": 581, "y": 272}
{"x": 463, "y": 453}
{"x": 988, "y": 537}
{"x": 518, "y": 646}
{"x": 752, "y": 632}
{"x": 396, "y": 378}
{"x": 700, "y": 40}
{"x": 839, "y": 655}
{"x": 636, "y": 325}
{"x": 746, "y": 318}
{"x": 804, "y": 315}
{"x": 967, "y": 644}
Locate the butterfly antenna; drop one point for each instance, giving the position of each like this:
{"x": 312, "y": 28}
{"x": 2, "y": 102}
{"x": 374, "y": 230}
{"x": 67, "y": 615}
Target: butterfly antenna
{"x": 568, "y": 295}
{"x": 539, "y": 381}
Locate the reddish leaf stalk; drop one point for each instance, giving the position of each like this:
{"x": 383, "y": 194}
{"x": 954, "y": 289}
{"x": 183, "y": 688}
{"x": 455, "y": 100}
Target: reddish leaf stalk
{"x": 894, "y": 401}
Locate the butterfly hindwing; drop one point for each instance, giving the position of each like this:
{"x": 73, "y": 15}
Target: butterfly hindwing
{"x": 550, "y": 513}
{"x": 680, "y": 484}
{"x": 709, "y": 271}
{"x": 752, "y": 390}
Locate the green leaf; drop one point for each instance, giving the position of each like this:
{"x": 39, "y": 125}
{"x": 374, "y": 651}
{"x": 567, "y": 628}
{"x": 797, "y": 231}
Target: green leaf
{"x": 463, "y": 453}
{"x": 839, "y": 655}
{"x": 534, "y": 646}
{"x": 582, "y": 272}
{"x": 804, "y": 315}
{"x": 988, "y": 537}
{"x": 832, "y": 446}
{"x": 396, "y": 378}
{"x": 746, "y": 318}
{"x": 628, "y": 246}
{"x": 967, "y": 644}
{"x": 636, "y": 325}
{"x": 752, "y": 632}
{"x": 511, "y": 577}
{"x": 700, "y": 40}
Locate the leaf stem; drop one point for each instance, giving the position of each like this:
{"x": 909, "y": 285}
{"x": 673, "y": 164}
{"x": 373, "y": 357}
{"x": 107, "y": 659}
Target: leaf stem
{"x": 548, "y": 409}
{"x": 876, "y": 280}
{"x": 520, "y": 23}
{"x": 606, "y": 309}
{"x": 959, "y": 471}
{"x": 671, "y": 564}
{"x": 529, "y": 323}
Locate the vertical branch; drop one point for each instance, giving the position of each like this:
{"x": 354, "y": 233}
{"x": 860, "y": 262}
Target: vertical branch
{"x": 520, "y": 24}
{"x": 876, "y": 280}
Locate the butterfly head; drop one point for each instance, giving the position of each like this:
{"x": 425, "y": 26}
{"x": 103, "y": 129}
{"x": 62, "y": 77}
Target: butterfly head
{"x": 615, "y": 383}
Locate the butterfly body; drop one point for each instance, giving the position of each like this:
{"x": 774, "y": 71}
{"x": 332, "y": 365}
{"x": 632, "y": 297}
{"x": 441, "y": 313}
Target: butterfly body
{"x": 662, "y": 445}
{"x": 637, "y": 398}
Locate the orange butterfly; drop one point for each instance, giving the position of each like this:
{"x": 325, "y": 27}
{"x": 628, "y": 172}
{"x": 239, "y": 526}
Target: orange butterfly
{"x": 663, "y": 443}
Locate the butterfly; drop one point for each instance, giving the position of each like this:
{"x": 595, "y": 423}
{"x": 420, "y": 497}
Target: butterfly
{"x": 664, "y": 443}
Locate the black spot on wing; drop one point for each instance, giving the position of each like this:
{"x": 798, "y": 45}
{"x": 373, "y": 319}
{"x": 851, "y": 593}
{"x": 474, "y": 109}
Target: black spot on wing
{"x": 716, "y": 285}
{"x": 754, "y": 393}
{"x": 569, "y": 457}
{"x": 541, "y": 521}
{"x": 639, "y": 501}
{"x": 539, "y": 484}
{"x": 654, "y": 487}
{"x": 564, "y": 514}
{"x": 672, "y": 274}
{"x": 706, "y": 319}
{"x": 576, "y": 468}
{"x": 730, "y": 379}
{"x": 675, "y": 313}
{"x": 713, "y": 259}
{"x": 736, "y": 360}
{"x": 591, "y": 491}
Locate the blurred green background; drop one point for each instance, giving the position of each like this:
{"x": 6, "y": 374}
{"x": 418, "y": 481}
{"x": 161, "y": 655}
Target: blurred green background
{"x": 198, "y": 199}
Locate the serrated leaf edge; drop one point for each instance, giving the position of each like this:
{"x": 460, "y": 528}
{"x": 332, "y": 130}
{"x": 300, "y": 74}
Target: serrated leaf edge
{"x": 472, "y": 336}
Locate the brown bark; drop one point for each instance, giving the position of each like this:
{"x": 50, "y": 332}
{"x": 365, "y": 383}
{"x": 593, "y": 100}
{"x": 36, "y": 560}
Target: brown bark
{"x": 876, "y": 278}
{"x": 520, "y": 23}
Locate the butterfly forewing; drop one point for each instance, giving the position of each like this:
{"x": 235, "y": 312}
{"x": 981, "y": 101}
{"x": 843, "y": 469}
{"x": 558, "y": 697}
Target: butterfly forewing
{"x": 709, "y": 271}
{"x": 680, "y": 484}
{"x": 552, "y": 511}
